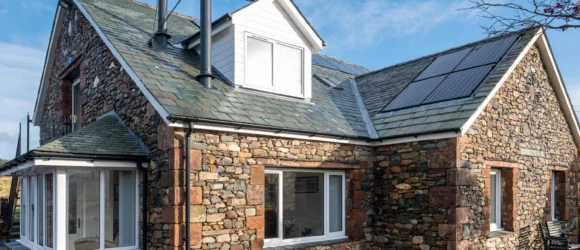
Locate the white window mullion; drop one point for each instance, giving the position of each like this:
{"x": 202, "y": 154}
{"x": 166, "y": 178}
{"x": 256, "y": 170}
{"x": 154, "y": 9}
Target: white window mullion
{"x": 60, "y": 220}
{"x": 102, "y": 210}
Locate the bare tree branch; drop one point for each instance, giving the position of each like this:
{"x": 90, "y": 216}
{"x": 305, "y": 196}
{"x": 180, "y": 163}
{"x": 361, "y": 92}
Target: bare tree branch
{"x": 551, "y": 14}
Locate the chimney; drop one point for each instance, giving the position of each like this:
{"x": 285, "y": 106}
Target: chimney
{"x": 161, "y": 35}
{"x": 205, "y": 75}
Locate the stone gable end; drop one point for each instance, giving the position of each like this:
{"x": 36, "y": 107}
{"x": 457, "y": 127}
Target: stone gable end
{"x": 524, "y": 133}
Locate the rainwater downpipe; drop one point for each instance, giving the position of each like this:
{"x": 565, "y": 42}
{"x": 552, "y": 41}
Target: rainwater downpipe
{"x": 187, "y": 188}
{"x": 145, "y": 204}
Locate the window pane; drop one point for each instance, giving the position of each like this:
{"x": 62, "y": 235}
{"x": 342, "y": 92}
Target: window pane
{"x": 76, "y": 107}
{"x": 288, "y": 70}
{"x": 271, "y": 205}
{"x": 49, "y": 210}
{"x": 23, "y": 205}
{"x": 493, "y": 198}
{"x": 31, "y": 207}
{"x": 119, "y": 209}
{"x": 40, "y": 196}
{"x": 83, "y": 209}
{"x": 259, "y": 63}
{"x": 303, "y": 204}
{"x": 335, "y": 203}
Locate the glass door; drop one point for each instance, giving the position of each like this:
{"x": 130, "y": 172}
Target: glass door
{"x": 83, "y": 209}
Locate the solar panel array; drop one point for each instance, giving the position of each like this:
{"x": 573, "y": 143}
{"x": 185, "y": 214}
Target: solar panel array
{"x": 452, "y": 76}
{"x": 330, "y": 63}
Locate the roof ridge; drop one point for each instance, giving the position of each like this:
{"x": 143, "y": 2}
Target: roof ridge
{"x": 341, "y": 61}
{"x": 449, "y": 50}
{"x": 155, "y": 8}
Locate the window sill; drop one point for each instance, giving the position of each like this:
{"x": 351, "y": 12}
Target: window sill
{"x": 271, "y": 93}
{"x": 499, "y": 233}
{"x": 310, "y": 244}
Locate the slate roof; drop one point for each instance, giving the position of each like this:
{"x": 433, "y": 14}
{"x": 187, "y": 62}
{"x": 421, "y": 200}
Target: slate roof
{"x": 106, "y": 138}
{"x": 169, "y": 75}
{"x": 380, "y": 87}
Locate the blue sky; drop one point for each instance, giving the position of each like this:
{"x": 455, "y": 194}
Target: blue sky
{"x": 373, "y": 33}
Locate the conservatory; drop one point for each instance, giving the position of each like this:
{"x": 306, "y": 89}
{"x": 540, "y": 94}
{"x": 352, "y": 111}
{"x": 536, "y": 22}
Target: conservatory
{"x": 81, "y": 191}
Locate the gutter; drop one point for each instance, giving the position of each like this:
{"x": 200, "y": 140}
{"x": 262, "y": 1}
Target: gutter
{"x": 241, "y": 125}
{"x": 35, "y": 155}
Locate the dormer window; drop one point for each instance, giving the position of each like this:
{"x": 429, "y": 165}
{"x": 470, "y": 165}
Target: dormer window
{"x": 265, "y": 47}
{"x": 274, "y": 66}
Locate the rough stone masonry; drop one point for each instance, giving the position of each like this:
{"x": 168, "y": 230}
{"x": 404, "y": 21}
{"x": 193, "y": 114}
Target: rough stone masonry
{"x": 417, "y": 195}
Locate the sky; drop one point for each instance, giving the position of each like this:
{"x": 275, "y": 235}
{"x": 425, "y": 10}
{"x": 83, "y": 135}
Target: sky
{"x": 372, "y": 33}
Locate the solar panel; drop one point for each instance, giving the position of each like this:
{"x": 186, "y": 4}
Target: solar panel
{"x": 336, "y": 65}
{"x": 487, "y": 53}
{"x": 444, "y": 64}
{"x": 459, "y": 84}
{"x": 415, "y": 93}
{"x": 316, "y": 60}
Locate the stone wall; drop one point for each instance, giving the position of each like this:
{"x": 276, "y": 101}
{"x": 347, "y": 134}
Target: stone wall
{"x": 523, "y": 132}
{"x": 416, "y": 195}
{"x": 227, "y": 185}
{"x": 105, "y": 87}
{"x": 421, "y": 195}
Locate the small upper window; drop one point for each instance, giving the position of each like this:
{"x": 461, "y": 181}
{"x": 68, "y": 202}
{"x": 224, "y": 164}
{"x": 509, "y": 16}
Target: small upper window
{"x": 274, "y": 67}
{"x": 495, "y": 198}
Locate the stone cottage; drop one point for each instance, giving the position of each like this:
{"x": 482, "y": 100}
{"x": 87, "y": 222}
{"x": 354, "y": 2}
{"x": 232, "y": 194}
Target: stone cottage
{"x": 288, "y": 148}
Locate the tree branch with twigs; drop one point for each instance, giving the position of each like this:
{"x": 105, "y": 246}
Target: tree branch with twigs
{"x": 551, "y": 14}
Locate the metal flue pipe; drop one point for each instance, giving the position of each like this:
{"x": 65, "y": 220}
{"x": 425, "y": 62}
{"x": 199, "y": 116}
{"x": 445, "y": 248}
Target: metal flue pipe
{"x": 161, "y": 33}
{"x": 205, "y": 75}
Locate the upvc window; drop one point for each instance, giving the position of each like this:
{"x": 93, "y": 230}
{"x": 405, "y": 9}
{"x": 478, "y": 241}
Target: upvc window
{"x": 37, "y": 210}
{"x": 76, "y": 105}
{"x": 303, "y": 206}
{"x": 495, "y": 199}
{"x": 102, "y": 209}
{"x": 273, "y": 66}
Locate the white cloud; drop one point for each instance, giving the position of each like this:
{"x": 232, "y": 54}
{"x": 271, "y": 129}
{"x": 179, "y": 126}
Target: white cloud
{"x": 359, "y": 24}
{"x": 20, "y": 71}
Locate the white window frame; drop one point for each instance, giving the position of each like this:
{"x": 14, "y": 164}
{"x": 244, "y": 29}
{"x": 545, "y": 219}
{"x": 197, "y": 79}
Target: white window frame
{"x": 553, "y": 195}
{"x": 327, "y": 235}
{"x": 60, "y": 207}
{"x": 274, "y": 43}
{"x": 76, "y": 82}
{"x": 497, "y": 174}
{"x": 102, "y": 194}
{"x": 26, "y": 182}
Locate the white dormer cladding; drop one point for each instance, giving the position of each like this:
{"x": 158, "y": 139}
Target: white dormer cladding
{"x": 266, "y": 46}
